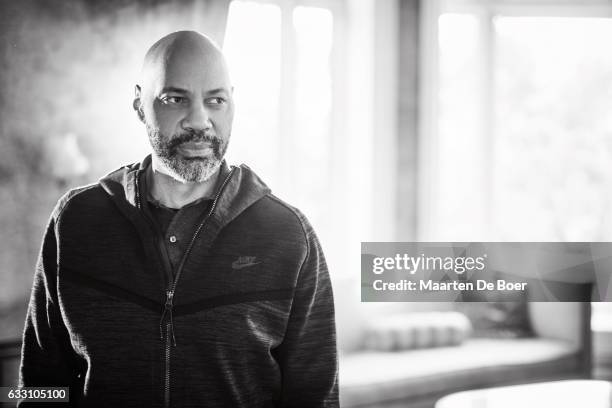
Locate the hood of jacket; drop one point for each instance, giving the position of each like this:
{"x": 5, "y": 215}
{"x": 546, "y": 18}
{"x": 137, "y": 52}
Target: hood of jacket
{"x": 238, "y": 188}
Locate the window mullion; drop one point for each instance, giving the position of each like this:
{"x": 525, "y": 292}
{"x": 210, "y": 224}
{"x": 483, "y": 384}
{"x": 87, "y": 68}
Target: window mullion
{"x": 287, "y": 96}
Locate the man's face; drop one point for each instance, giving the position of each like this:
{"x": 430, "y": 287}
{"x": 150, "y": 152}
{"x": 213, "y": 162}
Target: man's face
{"x": 188, "y": 109}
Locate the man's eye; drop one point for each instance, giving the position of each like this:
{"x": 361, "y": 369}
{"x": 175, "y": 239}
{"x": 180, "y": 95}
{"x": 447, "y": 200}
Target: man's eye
{"x": 173, "y": 100}
{"x": 215, "y": 101}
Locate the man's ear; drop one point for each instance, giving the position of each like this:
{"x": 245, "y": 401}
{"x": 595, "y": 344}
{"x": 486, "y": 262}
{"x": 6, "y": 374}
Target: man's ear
{"x": 137, "y": 104}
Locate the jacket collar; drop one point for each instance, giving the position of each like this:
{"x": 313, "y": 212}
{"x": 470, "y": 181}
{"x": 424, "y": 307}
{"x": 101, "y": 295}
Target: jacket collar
{"x": 237, "y": 189}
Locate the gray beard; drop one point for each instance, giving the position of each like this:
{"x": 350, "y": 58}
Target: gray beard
{"x": 195, "y": 169}
{"x": 190, "y": 170}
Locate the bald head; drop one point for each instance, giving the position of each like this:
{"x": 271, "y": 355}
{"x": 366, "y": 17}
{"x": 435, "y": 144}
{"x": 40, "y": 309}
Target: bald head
{"x": 192, "y": 41}
{"x": 186, "y": 51}
{"x": 185, "y": 100}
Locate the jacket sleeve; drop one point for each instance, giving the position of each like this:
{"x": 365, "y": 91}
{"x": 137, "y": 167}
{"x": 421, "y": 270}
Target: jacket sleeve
{"x": 308, "y": 355}
{"x": 47, "y": 357}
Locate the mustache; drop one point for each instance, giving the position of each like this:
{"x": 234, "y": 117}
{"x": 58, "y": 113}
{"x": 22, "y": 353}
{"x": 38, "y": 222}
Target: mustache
{"x": 194, "y": 136}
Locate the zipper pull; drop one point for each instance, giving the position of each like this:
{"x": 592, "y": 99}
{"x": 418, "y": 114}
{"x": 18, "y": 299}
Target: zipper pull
{"x": 169, "y": 305}
{"x": 167, "y": 311}
{"x": 169, "y": 297}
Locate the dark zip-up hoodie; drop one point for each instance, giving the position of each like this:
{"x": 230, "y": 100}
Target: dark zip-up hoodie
{"x": 247, "y": 320}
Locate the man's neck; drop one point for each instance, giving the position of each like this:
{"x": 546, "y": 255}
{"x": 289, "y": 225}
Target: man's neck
{"x": 175, "y": 194}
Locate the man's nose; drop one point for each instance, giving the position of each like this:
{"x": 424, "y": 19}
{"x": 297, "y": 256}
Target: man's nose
{"x": 198, "y": 117}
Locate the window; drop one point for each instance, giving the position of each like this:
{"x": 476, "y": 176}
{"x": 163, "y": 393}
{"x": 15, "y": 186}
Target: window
{"x": 521, "y": 147}
{"x": 281, "y": 60}
{"x": 517, "y": 132}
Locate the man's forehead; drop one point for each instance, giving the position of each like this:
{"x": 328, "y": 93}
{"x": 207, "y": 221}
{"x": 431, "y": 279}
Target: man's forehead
{"x": 185, "y": 61}
{"x": 188, "y": 75}
{"x": 188, "y": 89}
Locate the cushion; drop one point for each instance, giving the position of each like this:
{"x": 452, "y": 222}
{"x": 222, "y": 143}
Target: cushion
{"x": 417, "y": 330}
{"x": 372, "y": 377}
{"x": 498, "y": 319}
{"x": 496, "y": 313}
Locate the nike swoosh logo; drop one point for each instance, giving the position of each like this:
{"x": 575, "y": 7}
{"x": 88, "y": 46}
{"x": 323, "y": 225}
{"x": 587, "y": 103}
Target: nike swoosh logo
{"x": 241, "y": 265}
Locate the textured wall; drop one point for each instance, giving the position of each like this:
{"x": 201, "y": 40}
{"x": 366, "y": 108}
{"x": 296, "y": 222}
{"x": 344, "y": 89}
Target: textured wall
{"x": 68, "y": 70}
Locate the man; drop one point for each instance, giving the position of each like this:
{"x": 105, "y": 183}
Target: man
{"x": 179, "y": 282}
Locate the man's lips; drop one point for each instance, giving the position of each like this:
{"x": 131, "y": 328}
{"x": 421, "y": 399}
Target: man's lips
{"x": 200, "y": 144}
{"x": 193, "y": 148}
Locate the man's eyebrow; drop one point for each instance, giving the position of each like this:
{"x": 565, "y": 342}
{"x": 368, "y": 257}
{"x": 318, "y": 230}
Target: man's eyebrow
{"x": 173, "y": 89}
{"x": 217, "y": 91}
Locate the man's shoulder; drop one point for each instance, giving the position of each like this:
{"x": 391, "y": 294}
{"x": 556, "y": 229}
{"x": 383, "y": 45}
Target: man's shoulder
{"x": 274, "y": 203}
{"x": 94, "y": 195}
{"x": 82, "y": 196}
{"x": 266, "y": 206}
{"x": 283, "y": 214}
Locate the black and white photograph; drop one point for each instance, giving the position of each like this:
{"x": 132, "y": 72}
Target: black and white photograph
{"x": 306, "y": 203}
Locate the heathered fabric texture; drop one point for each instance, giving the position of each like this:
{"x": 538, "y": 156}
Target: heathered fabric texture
{"x": 254, "y": 333}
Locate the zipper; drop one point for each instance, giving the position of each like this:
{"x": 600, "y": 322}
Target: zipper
{"x": 167, "y": 382}
{"x": 166, "y": 316}
{"x": 179, "y": 270}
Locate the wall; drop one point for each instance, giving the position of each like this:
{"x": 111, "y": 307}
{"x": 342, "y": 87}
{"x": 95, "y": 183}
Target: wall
{"x": 68, "y": 74}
